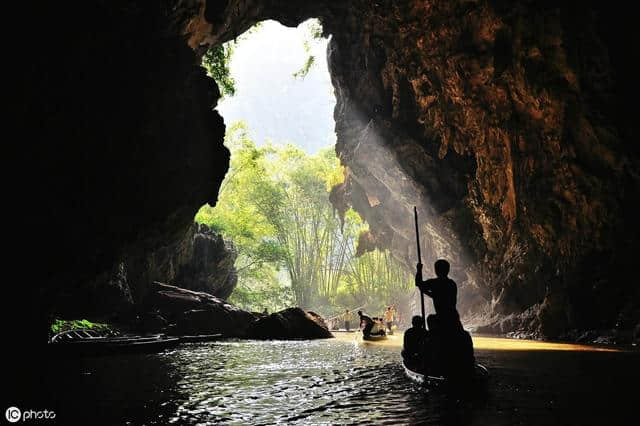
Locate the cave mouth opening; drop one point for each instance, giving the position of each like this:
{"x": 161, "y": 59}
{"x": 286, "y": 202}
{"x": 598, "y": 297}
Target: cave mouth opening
{"x": 293, "y": 247}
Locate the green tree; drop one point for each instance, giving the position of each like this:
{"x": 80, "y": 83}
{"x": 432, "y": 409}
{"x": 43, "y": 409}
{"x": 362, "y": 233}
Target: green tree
{"x": 238, "y": 217}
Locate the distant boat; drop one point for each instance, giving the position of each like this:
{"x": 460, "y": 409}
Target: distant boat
{"x": 378, "y": 332}
{"x": 480, "y": 376}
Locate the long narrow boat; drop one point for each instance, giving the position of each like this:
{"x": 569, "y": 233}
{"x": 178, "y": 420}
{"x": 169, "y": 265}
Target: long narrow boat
{"x": 480, "y": 376}
{"x": 200, "y": 338}
{"x": 88, "y": 342}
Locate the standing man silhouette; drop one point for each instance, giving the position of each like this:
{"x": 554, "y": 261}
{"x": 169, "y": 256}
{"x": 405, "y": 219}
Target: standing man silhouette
{"x": 443, "y": 290}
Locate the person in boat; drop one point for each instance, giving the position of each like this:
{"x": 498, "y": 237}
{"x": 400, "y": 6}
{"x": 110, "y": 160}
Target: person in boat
{"x": 366, "y": 324}
{"x": 378, "y": 328}
{"x": 443, "y": 290}
{"x": 452, "y": 347}
{"x": 388, "y": 318}
{"x": 347, "y": 320}
{"x": 416, "y": 340}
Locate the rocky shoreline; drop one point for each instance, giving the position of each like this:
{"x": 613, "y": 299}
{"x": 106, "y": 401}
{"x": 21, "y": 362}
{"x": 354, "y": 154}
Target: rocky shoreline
{"x": 180, "y": 312}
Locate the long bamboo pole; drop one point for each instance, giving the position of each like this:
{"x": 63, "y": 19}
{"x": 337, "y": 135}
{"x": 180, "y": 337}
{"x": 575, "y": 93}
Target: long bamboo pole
{"x": 415, "y": 214}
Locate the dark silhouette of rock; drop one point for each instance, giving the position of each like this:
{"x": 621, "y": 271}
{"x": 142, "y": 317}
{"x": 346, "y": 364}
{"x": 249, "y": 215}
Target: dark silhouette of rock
{"x": 118, "y": 146}
{"x": 291, "y": 323}
{"x": 195, "y": 312}
{"x": 201, "y": 260}
{"x": 107, "y": 297}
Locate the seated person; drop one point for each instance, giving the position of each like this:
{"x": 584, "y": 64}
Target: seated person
{"x": 415, "y": 341}
{"x": 452, "y": 351}
{"x": 376, "y": 330}
{"x": 366, "y": 324}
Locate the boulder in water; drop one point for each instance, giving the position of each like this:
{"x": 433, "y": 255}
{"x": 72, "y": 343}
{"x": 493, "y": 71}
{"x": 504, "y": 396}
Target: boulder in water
{"x": 291, "y": 323}
{"x": 195, "y": 312}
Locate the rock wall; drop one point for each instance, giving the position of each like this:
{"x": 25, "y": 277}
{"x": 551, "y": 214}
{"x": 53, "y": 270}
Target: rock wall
{"x": 116, "y": 143}
{"x": 200, "y": 261}
{"x": 504, "y": 123}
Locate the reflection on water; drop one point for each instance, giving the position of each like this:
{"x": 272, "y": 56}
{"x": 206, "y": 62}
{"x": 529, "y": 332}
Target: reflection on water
{"x": 490, "y": 343}
{"x": 340, "y": 381}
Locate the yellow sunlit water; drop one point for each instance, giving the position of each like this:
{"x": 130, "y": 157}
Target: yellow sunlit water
{"x": 482, "y": 343}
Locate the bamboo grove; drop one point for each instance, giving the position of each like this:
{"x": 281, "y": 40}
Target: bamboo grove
{"x": 292, "y": 247}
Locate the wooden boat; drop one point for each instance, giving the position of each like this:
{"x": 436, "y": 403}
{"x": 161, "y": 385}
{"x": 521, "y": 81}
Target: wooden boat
{"x": 89, "y": 342}
{"x": 480, "y": 376}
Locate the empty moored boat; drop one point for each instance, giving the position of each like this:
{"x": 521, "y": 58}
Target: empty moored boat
{"x": 90, "y": 342}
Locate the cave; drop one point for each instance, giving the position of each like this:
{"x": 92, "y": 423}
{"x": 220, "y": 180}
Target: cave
{"x": 510, "y": 124}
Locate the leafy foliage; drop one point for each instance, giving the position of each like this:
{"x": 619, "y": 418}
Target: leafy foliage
{"x": 314, "y": 33}
{"x": 59, "y": 325}
{"x": 216, "y": 61}
{"x": 274, "y": 204}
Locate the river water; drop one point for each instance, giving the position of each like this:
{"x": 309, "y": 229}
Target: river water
{"x": 342, "y": 381}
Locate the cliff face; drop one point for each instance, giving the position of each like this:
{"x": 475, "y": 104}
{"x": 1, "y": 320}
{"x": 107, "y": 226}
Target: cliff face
{"x": 117, "y": 145}
{"x": 200, "y": 261}
{"x": 505, "y": 122}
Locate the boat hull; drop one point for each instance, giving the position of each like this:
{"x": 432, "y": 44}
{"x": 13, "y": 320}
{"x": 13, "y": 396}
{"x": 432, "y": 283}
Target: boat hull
{"x": 374, "y": 338}
{"x": 111, "y": 346}
{"x": 479, "y": 377}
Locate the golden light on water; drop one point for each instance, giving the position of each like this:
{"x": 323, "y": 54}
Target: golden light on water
{"x": 483, "y": 343}
{"x": 501, "y": 344}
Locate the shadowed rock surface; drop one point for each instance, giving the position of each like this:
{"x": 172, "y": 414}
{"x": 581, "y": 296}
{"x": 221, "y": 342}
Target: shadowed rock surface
{"x": 201, "y": 261}
{"x": 291, "y": 323}
{"x": 195, "y": 312}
